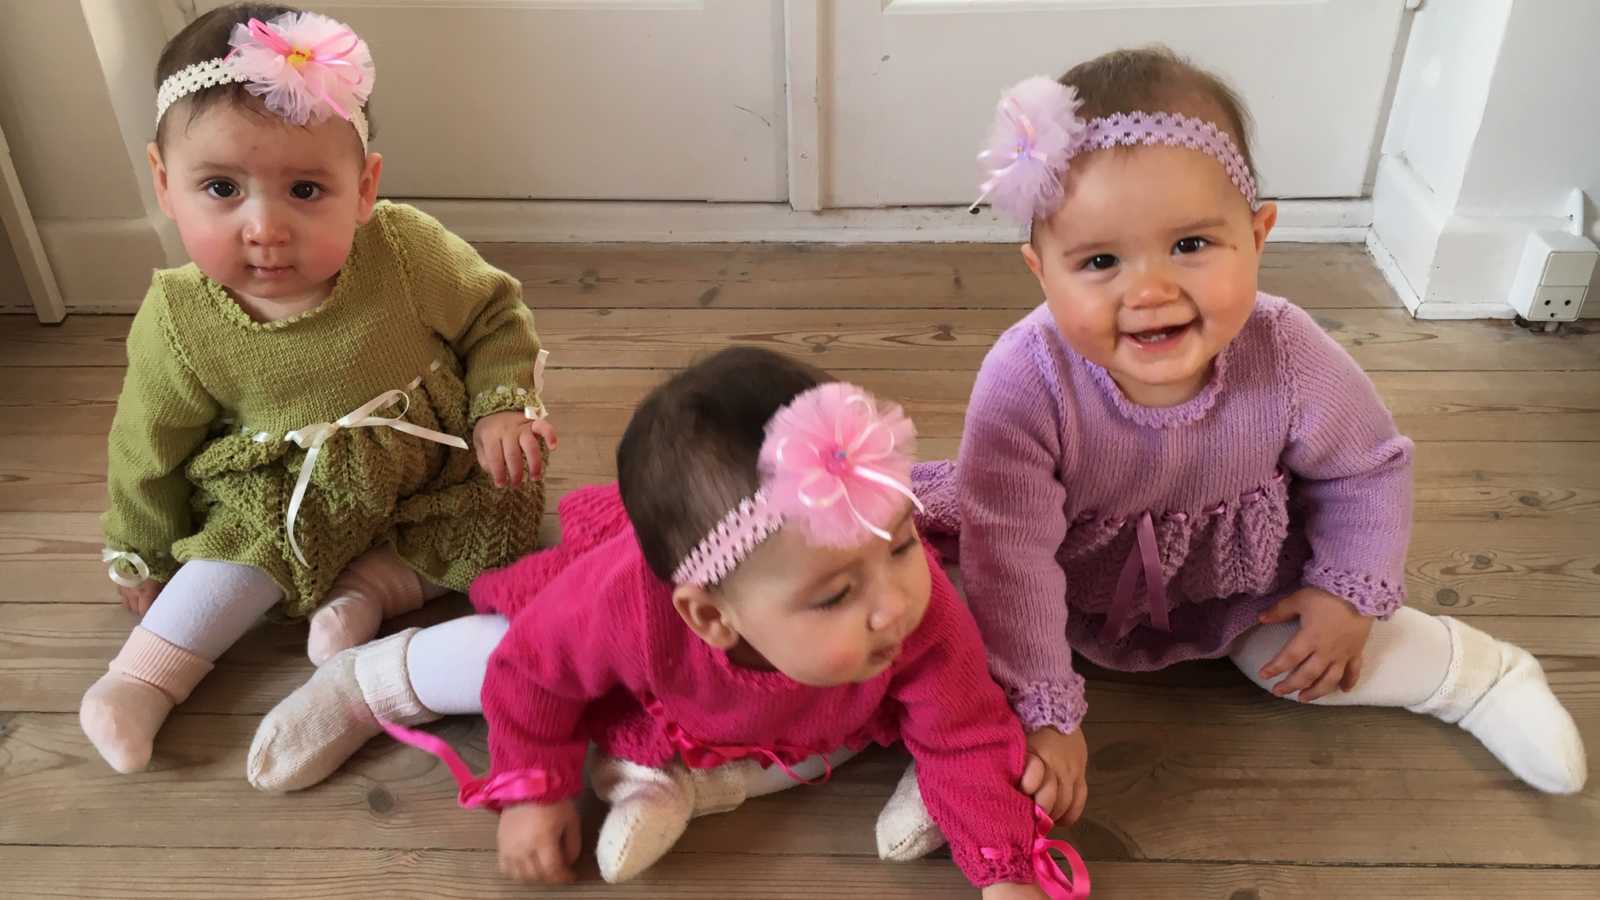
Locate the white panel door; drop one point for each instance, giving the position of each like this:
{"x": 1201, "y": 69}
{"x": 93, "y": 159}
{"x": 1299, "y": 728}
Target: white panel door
{"x": 907, "y": 87}
{"x": 578, "y": 99}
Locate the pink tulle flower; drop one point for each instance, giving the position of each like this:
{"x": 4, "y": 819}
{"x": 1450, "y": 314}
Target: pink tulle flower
{"x": 304, "y": 66}
{"x": 839, "y": 465}
{"x": 1036, "y": 131}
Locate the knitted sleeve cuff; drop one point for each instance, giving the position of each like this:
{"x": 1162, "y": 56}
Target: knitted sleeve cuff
{"x": 506, "y": 397}
{"x": 988, "y": 865}
{"x": 1058, "y": 704}
{"x": 1375, "y": 597}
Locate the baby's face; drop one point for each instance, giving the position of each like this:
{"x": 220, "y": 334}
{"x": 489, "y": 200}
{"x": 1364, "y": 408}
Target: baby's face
{"x": 1149, "y": 266}
{"x": 267, "y": 209}
{"x": 826, "y": 617}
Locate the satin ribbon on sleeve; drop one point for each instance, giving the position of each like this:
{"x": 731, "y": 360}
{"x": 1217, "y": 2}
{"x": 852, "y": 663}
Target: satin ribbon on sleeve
{"x": 492, "y": 792}
{"x": 1056, "y": 884}
{"x": 113, "y": 557}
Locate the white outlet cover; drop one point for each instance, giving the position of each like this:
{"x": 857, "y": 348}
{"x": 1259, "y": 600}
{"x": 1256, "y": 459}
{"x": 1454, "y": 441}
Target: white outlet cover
{"x": 1569, "y": 269}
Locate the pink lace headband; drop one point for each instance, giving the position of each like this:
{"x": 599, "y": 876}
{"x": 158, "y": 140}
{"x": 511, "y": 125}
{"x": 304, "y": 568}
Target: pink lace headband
{"x": 833, "y": 461}
{"x": 1037, "y": 132}
{"x": 305, "y": 67}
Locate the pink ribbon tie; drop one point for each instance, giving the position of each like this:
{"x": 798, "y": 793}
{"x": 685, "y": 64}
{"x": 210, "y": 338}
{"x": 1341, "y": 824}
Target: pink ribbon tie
{"x": 1145, "y": 557}
{"x": 491, "y": 792}
{"x": 1055, "y": 883}
{"x": 699, "y": 755}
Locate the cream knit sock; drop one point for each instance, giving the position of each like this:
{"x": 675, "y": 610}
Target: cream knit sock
{"x": 315, "y": 729}
{"x": 905, "y": 830}
{"x": 650, "y": 808}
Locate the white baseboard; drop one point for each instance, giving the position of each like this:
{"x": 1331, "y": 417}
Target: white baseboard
{"x": 102, "y": 265}
{"x": 534, "y": 221}
{"x": 1389, "y": 267}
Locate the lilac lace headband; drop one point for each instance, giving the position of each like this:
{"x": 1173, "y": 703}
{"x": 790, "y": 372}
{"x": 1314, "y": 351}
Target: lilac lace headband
{"x": 833, "y": 461}
{"x": 1037, "y": 132}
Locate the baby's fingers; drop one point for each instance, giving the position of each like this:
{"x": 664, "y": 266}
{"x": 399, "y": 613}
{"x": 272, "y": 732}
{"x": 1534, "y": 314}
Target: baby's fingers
{"x": 1033, "y": 775}
{"x": 1302, "y": 677}
{"x": 1291, "y": 656}
{"x": 530, "y": 451}
{"x": 1327, "y": 684}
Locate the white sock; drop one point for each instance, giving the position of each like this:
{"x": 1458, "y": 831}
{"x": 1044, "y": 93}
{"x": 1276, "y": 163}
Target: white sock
{"x": 305, "y": 738}
{"x": 905, "y": 831}
{"x": 650, "y": 807}
{"x": 1442, "y": 667}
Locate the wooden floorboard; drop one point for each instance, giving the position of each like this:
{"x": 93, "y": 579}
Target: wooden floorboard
{"x": 1381, "y": 340}
{"x": 1201, "y": 785}
{"x": 126, "y": 873}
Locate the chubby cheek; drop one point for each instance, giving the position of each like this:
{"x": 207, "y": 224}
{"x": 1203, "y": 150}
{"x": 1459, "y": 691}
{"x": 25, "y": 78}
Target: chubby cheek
{"x": 826, "y": 661}
{"x": 1092, "y": 334}
{"x": 215, "y": 249}
{"x": 325, "y": 252}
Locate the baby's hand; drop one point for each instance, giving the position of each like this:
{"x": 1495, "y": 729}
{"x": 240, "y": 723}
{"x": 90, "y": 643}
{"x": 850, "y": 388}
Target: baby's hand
{"x": 507, "y": 444}
{"x": 1054, "y": 774}
{"x": 138, "y": 598}
{"x": 539, "y": 842}
{"x": 1326, "y": 653}
{"x": 1006, "y": 890}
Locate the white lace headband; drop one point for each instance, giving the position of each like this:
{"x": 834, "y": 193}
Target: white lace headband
{"x": 304, "y": 66}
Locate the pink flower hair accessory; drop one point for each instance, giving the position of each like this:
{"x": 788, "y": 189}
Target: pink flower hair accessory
{"x": 1037, "y": 131}
{"x": 834, "y": 461}
{"x": 305, "y": 67}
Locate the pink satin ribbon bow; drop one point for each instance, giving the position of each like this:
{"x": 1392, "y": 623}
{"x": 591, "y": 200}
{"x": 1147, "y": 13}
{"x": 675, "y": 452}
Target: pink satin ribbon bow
{"x": 1054, "y": 882}
{"x": 493, "y": 792}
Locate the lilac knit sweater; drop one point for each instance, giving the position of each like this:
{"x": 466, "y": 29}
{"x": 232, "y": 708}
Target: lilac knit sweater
{"x": 1285, "y": 470}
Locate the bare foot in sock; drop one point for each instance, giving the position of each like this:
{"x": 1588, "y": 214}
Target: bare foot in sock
{"x": 121, "y": 715}
{"x": 376, "y": 586}
{"x": 305, "y": 738}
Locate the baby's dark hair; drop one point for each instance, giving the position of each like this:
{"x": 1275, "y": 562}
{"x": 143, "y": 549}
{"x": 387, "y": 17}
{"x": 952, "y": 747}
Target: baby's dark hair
{"x": 206, "y": 38}
{"x": 691, "y": 450}
{"x": 1155, "y": 79}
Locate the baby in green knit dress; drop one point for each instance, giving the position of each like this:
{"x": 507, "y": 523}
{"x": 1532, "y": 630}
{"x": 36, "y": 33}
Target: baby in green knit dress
{"x": 294, "y": 427}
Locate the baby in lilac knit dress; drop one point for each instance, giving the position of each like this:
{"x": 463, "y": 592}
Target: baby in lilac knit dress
{"x": 1162, "y": 464}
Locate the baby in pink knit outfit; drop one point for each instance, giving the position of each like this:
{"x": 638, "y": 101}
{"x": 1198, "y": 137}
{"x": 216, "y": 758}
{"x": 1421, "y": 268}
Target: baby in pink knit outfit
{"x": 1162, "y": 464}
{"x": 750, "y": 604}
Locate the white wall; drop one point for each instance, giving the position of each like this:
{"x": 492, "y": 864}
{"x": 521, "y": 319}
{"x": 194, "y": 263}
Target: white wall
{"x": 57, "y": 115}
{"x": 1494, "y": 125}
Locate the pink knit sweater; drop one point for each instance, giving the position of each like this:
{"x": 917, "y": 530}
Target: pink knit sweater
{"x": 1141, "y": 537}
{"x": 596, "y": 652}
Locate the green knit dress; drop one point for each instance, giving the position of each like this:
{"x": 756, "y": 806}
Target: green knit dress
{"x": 200, "y": 466}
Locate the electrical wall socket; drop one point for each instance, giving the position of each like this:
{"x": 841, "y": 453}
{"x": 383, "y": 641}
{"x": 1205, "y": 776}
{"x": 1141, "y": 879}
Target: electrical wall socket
{"x": 1553, "y": 277}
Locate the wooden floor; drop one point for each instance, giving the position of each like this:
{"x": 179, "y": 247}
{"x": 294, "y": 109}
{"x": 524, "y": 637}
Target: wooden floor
{"x": 1201, "y": 786}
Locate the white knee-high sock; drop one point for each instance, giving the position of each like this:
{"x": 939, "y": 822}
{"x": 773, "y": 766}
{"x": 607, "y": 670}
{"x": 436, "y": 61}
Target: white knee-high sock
{"x": 1442, "y": 667}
